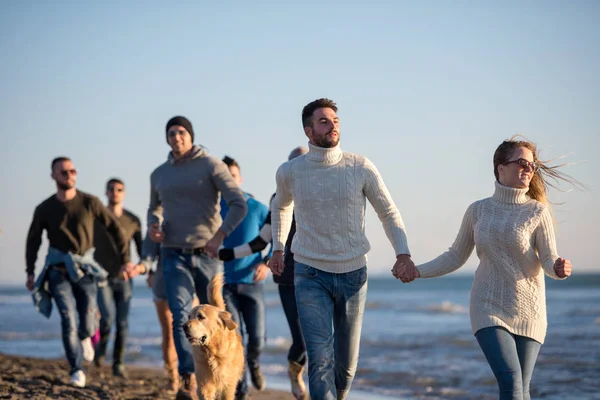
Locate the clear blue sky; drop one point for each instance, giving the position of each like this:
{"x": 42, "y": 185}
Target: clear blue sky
{"x": 426, "y": 90}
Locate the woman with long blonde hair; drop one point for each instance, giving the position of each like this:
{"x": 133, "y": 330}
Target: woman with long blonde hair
{"x": 513, "y": 232}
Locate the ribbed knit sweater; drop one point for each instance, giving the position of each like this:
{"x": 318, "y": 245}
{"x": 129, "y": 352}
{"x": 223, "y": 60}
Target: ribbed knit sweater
{"x": 326, "y": 190}
{"x": 514, "y": 237}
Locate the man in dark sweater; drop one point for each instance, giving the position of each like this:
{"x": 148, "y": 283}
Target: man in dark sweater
{"x": 68, "y": 218}
{"x": 184, "y": 195}
{"x": 114, "y": 292}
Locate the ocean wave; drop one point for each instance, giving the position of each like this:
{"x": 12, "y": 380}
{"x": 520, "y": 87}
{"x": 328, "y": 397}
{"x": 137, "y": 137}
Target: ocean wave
{"x": 20, "y": 336}
{"x": 447, "y": 307}
{"x": 13, "y": 300}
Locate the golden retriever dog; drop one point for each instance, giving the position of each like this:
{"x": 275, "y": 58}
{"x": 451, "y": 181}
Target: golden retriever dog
{"x": 217, "y": 346}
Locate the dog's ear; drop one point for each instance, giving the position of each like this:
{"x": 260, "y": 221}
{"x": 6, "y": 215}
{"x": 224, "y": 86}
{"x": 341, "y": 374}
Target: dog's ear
{"x": 226, "y": 318}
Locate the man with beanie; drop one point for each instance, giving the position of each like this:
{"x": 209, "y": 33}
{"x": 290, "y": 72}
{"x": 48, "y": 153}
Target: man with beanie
{"x": 327, "y": 191}
{"x": 184, "y": 195}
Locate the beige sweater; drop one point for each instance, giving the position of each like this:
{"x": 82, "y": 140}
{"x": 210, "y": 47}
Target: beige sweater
{"x": 327, "y": 190}
{"x": 515, "y": 242}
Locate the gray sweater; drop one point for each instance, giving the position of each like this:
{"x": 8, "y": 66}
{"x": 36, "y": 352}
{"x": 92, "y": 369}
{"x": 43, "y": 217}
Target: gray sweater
{"x": 184, "y": 195}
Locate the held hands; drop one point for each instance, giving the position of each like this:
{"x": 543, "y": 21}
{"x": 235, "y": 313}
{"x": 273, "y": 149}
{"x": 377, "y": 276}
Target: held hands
{"x": 276, "y": 262}
{"x": 212, "y": 246}
{"x": 131, "y": 270}
{"x": 156, "y": 234}
{"x": 404, "y": 269}
{"x": 261, "y": 272}
{"x": 562, "y": 267}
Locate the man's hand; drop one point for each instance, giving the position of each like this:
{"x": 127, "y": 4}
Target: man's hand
{"x": 156, "y": 234}
{"x": 404, "y": 269}
{"x": 212, "y": 246}
{"x": 134, "y": 269}
{"x": 124, "y": 268}
{"x": 30, "y": 282}
{"x": 276, "y": 262}
{"x": 562, "y": 267}
{"x": 261, "y": 272}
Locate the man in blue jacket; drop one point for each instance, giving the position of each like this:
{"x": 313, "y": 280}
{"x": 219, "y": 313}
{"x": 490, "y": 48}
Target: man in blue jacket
{"x": 243, "y": 290}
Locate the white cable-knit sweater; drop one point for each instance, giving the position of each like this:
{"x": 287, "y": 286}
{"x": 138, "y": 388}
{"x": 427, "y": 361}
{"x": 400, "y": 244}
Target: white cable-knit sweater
{"x": 327, "y": 190}
{"x": 514, "y": 237}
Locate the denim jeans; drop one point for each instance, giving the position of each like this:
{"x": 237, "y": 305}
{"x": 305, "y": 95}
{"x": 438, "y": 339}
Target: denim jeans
{"x": 246, "y": 303}
{"x": 297, "y": 352}
{"x": 70, "y": 298}
{"x": 512, "y": 358}
{"x": 331, "y": 308}
{"x": 184, "y": 275}
{"x": 114, "y": 299}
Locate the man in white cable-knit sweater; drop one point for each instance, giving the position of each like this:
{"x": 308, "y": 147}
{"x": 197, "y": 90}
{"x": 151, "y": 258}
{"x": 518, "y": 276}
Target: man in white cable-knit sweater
{"x": 327, "y": 189}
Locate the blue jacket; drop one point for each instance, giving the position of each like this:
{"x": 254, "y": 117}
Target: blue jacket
{"x": 77, "y": 267}
{"x": 242, "y": 270}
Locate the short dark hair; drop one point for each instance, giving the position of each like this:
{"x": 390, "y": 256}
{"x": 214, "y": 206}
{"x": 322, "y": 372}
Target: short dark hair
{"x": 309, "y": 109}
{"x": 231, "y": 162}
{"x": 57, "y": 160}
{"x": 112, "y": 181}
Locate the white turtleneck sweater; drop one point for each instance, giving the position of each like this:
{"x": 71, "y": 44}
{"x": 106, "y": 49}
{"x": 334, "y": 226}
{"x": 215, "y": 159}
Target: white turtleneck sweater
{"x": 514, "y": 237}
{"x": 326, "y": 190}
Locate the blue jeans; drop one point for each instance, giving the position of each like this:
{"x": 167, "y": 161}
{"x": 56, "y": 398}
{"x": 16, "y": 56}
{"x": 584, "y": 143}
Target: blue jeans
{"x": 512, "y": 358}
{"x": 331, "y": 308}
{"x": 114, "y": 298}
{"x": 246, "y": 303}
{"x": 184, "y": 275}
{"x": 297, "y": 352}
{"x": 72, "y": 297}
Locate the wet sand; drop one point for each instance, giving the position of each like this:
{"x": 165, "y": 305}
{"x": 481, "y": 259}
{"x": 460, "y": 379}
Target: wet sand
{"x": 31, "y": 378}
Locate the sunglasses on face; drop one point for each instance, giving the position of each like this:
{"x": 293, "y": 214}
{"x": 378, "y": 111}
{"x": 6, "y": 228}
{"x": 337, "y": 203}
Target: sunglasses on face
{"x": 115, "y": 189}
{"x": 523, "y": 163}
{"x": 68, "y": 172}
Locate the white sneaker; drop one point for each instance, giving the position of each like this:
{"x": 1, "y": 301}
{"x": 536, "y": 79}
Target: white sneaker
{"x": 88, "y": 349}
{"x": 77, "y": 379}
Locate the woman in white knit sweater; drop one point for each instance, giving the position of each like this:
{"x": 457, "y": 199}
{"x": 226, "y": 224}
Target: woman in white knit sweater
{"x": 514, "y": 236}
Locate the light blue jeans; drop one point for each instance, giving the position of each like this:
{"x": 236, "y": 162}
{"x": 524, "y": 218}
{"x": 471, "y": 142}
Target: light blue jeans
{"x": 74, "y": 299}
{"x": 331, "y": 308}
{"x": 512, "y": 358}
{"x": 184, "y": 275}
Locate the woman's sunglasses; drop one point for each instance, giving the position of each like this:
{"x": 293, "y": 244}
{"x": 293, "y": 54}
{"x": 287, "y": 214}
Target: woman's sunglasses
{"x": 523, "y": 163}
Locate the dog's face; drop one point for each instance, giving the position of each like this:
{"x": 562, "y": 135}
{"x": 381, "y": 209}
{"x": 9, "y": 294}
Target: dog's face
{"x": 206, "y": 323}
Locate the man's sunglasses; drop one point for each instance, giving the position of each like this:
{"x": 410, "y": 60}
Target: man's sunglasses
{"x": 115, "y": 189}
{"x": 523, "y": 163}
{"x": 68, "y": 172}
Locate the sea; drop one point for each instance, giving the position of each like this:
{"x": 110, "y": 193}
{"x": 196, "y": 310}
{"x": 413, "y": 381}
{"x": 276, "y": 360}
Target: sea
{"x": 416, "y": 339}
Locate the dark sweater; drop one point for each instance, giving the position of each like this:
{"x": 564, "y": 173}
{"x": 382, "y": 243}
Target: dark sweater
{"x": 70, "y": 227}
{"x": 107, "y": 253}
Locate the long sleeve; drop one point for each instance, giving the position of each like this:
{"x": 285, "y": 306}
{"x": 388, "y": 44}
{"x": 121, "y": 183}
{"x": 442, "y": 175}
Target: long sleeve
{"x": 112, "y": 226}
{"x": 258, "y": 244}
{"x": 282, "y": 209}
{"x": 150, "y": 252}
{"x": 232, "y": 195}
{"x": 545, "y": 243}
{"x": 137, "y": 239}
{"x": 34, "y": 240}
{"x": 383, "y": 204}
{"x": 457, "y": 255}
{"x": 155, "y": 210}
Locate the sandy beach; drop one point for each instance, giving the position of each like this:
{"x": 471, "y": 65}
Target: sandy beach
{"x": 32, "y": 378}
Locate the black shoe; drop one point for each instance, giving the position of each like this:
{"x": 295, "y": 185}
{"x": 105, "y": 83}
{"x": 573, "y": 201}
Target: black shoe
{"x": 119, "y": 371}
{"x": 257, "y": 378}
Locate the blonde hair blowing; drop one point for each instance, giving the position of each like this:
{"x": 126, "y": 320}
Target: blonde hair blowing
{"x": 546, "y": 176}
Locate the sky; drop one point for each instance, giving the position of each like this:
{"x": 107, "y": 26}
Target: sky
{"x": 426, "y": 90}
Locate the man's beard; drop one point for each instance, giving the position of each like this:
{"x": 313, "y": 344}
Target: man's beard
{"x": 64, "y": 186}
{"x": 327, "y": 142}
